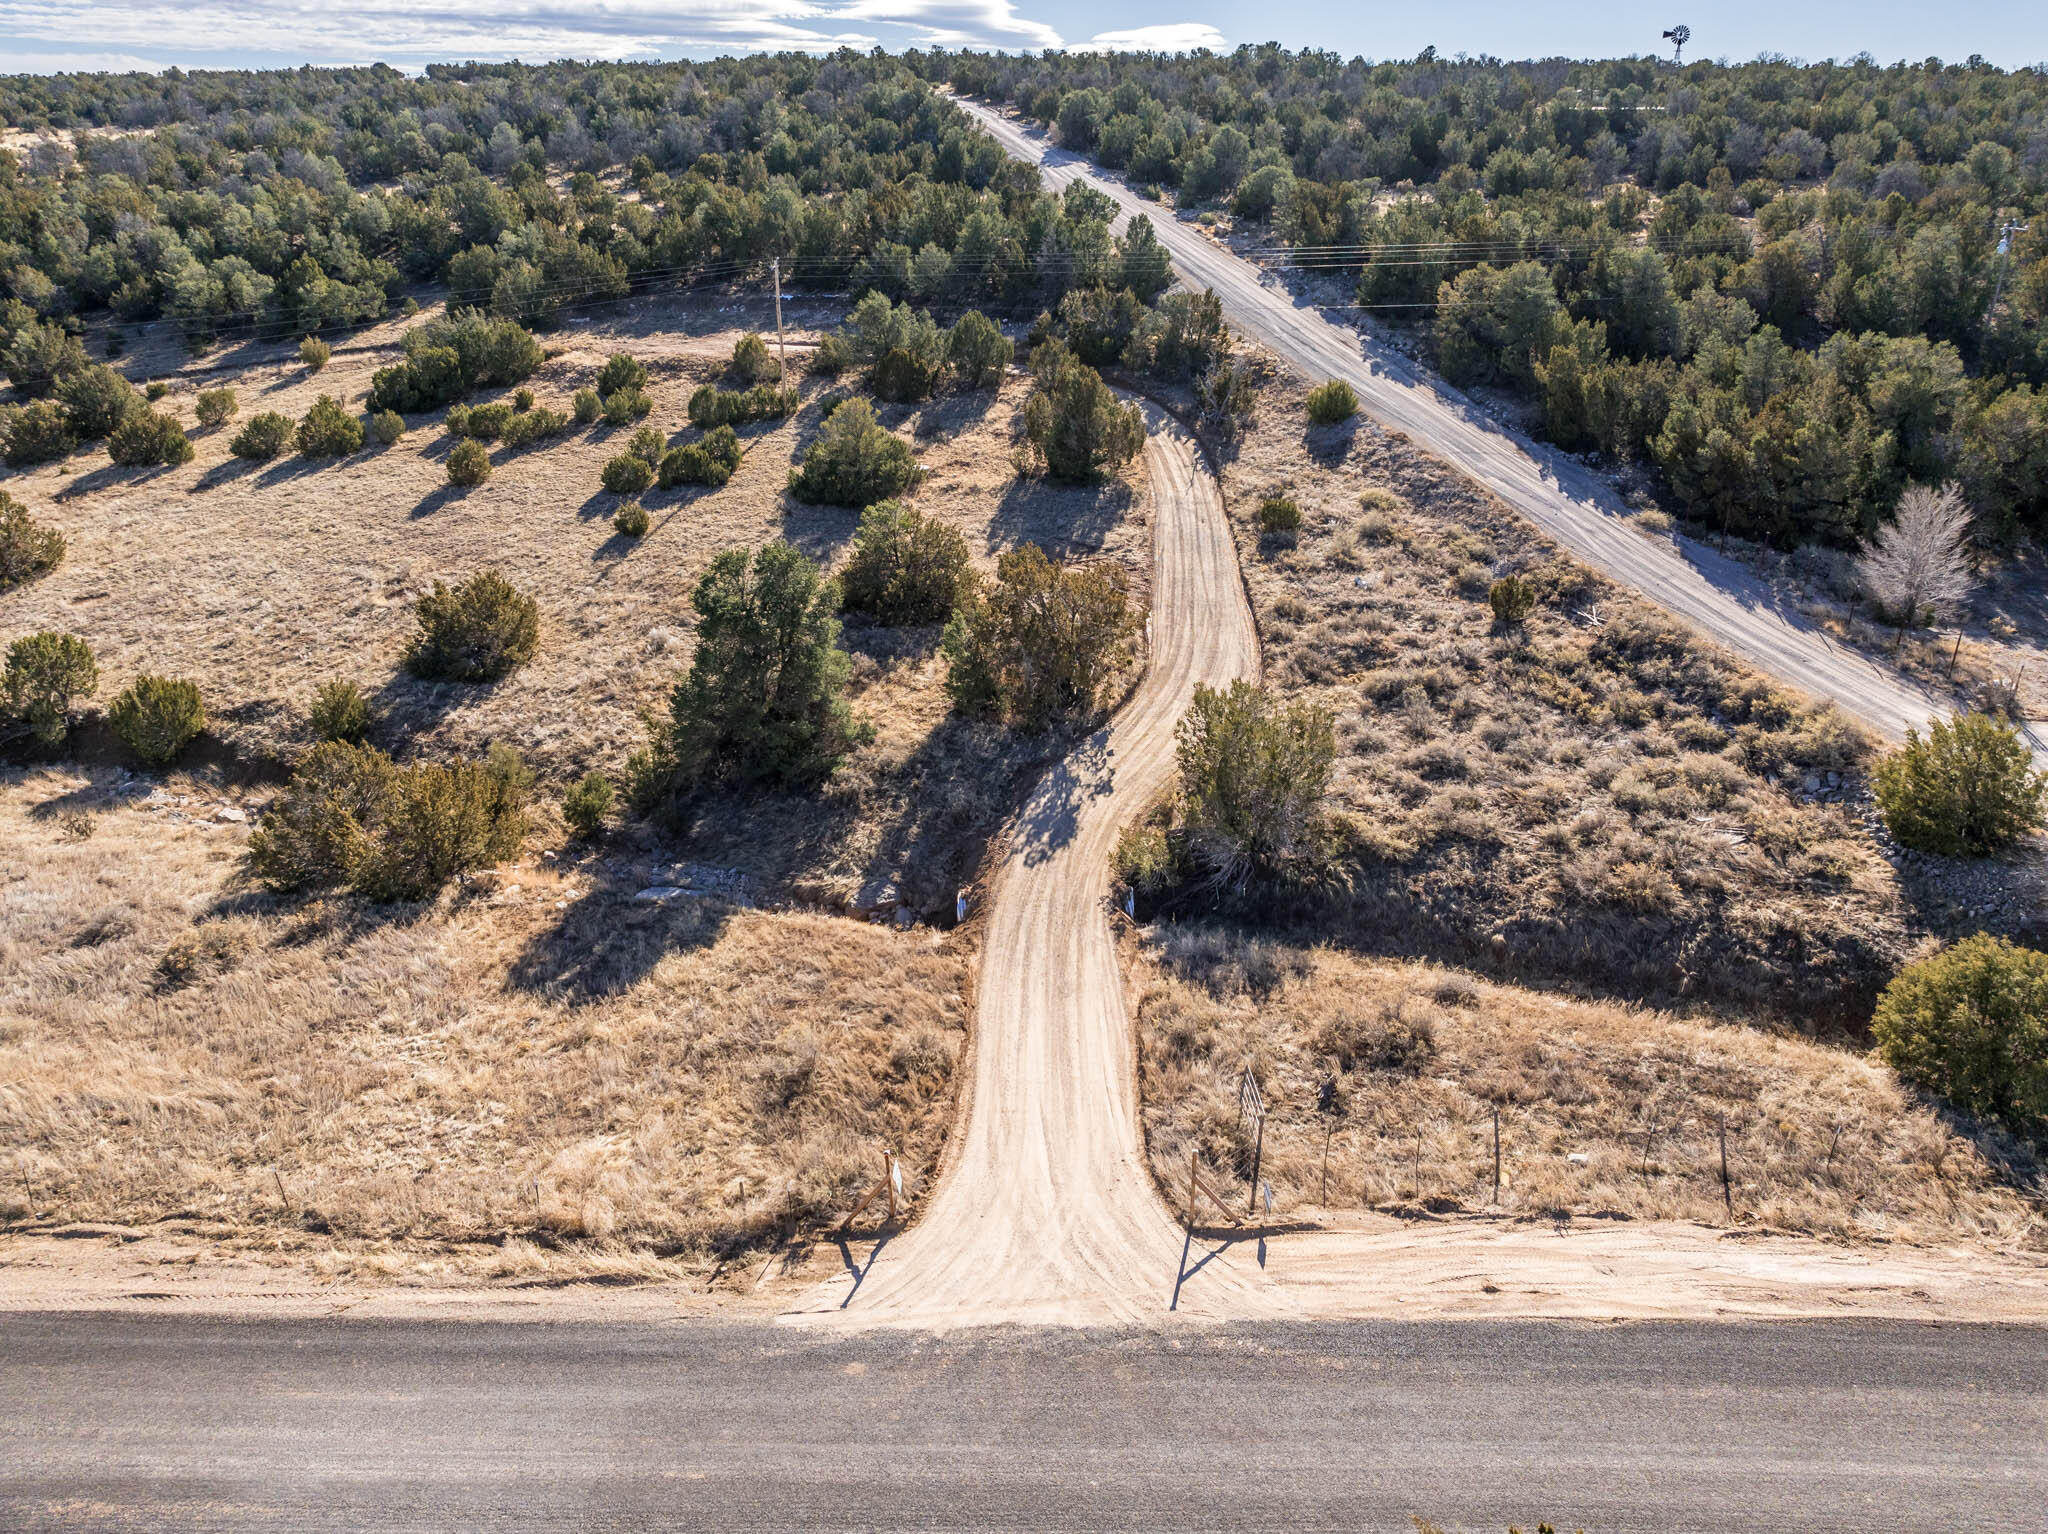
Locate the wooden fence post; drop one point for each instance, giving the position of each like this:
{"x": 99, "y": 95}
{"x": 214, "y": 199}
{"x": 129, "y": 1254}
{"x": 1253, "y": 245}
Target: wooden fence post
{"x": 1496, "y": 1155}
{"x": 1727, "y": 1195}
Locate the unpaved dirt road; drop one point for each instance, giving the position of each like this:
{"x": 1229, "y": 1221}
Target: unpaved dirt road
{"x": 1566, "y": 500}
{"x": 1045, "y": 1210}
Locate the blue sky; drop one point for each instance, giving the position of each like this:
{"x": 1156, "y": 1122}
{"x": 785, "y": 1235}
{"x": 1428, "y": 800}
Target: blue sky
{"x": 47, "y": 35}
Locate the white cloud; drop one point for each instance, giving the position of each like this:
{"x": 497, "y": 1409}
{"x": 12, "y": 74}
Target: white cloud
{"x": 1166, "y": 37}
{"x": 402, "y": 31}
{"x": 88, "y": 63}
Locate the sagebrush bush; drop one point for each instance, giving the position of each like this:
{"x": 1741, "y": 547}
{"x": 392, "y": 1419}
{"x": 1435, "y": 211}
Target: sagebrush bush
{"x": 27, "y": 548}
{"x": 1038, "y": 643}
{"x": 263, "y": 435}
{"x": 484, "y": 423}
{"x": 1279, "y": 516}
{"x": 906, "y": 567}
{"x": 149, "y": 438}
{"x": 46, "y": 674}
{"x": 1512, "y": 599}
{"x": 631, "y": 519}
{"x": 622, "y": 407}
{"x": 340, "y": 712}
{"x": 647, "y": 443}
{"x": 855, "y": 461}
{"x": 1253, "y": 774}
{"x": 349, "y": 818}
{"x": 627, "y": 474}
{"x": 156, "y": 717}
{"x": 585, "y": 405}
{"x": 314, "y": 353}
{"x": 475, "y": 632}
{"x": 621, "y": 371}
{"x": 1966, "y": 790}
{"x": 469, "y": 464}
{"x": 587, "y": 803}
{"x": 522, "y": 401}
{"x": 388, "y": 425}
{"x": 1331, "y": 402}
{"x": 328, "y": 431}
{"x": 832, "y": 357}
{"x": 155, "y": 390}
{"x": 1971, "y": 1025}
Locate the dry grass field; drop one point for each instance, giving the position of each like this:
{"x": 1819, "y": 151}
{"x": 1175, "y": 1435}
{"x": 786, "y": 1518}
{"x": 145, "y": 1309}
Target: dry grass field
{"x": 1595, "y": 797}
{"x": 539, "y": 1055}
{"x": 1606, "y": 1111}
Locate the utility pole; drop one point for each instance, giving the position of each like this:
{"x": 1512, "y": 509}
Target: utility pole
{"x": 2010, "y": 228}
{"x": 781, "y": 351}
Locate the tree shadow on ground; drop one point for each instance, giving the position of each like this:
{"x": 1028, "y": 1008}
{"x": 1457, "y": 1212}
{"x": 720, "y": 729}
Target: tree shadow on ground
{"x": 818, "y": 532}
{"x": 605, "y": 943}
{"x": 107, "y": 476}
{"x": 226, "y": 473}
{"x": 1067, "y": 521}
{"x": 438, "y": 499}
{"x": 1051, "y": 817}
{"x": 1331, "y": 445}
{"x": 407, "y": 703}
{"x": 297, "y": 466}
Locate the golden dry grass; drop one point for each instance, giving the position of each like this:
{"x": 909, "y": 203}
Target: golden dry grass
{"x": 1820, "y": 1140}
{"x": 706, "y": 1075}
{"x": 1597, "y": 797}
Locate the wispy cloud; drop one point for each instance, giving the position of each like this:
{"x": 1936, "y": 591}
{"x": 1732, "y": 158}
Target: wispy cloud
{"x": 1166, "y": 37}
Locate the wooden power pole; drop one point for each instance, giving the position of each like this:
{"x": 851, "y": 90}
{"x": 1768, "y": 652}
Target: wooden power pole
{"x": 781, "y": 349}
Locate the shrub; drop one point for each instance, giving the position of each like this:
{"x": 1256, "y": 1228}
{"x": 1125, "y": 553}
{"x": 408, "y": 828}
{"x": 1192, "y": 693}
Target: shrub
{"x": 854, "y": 462}
{"x": 314, "y": 353}
{"x": 263, "y": 435}
{"x": 631, "y": 519}
{"x": 587, "y": 803}
{"x": 47, "y": 673}
{"x": 157, "y": 716}
{"x": 832, "y": 357}
{"x": 1038, "y": 643}
{"x": 531, "y": 426}
{"x": 340, "y": 712}
{"x": 753, "y": 362}
{"x": 96, "y": 400}
{"x": 1512, "y": 599}
{"x": 711, "y": 406}
{"x": 1331, "y": 402}
{"x": 477, "y": 632}
{"x": 902, "y": 376}
{"x": 764, "y": 700}
{"x": 1253, "y": 773}
{"x": 1971, "y": 1025}
{"x": 710, "y": 460}
{"x": 1077, "y": 430}
{"x": 627, "y": 474}
{"x": 906, "y": 567}
{"x": 469, "y": 464}
{"x": 523, "y": 401}
{"x": 156, "y": 389}
{"x": 484, "y": 423}
{"x": 448, "y": 357}
{"x": 27, "y": 548}
{"x": 1279, "y": 516}
{"x": 584, "y": 405}
{"x": 1966, "y": 790}
{"x": 328, "y": 431}
{"x": 977, "y": 351}
{"x": 648, "y": 443}
{"x": 623, "y": 406}
{"x": 349, "y": 818}
{"x": 621, "y": 371}
{"x": 389, "y": 426}
{"x": 38, "y": 433}
{"x": 147, "y": 438}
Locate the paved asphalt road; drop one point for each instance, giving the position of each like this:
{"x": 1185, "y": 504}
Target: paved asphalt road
{"x": 118, "y": 1422}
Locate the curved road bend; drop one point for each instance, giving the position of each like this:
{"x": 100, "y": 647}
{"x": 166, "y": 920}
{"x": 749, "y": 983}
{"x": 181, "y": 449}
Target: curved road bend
{"x": 1569, "y": 502}
{"x": 1045, "y": 1209}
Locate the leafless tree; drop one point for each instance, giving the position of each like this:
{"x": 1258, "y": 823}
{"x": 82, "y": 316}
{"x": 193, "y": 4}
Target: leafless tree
{"x": 1917, "y": 568}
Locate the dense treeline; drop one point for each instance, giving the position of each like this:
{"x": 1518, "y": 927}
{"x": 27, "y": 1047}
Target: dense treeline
{"x": 1781, "y": 284}
{"x": 292, "y": 202}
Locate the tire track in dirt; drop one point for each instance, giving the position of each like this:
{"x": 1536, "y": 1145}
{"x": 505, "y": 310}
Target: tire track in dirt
{"x": 1046, "y": 1210}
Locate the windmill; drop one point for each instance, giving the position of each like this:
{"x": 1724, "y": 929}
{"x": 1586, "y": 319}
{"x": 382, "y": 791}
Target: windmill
{"x": 1678, "y": 37}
